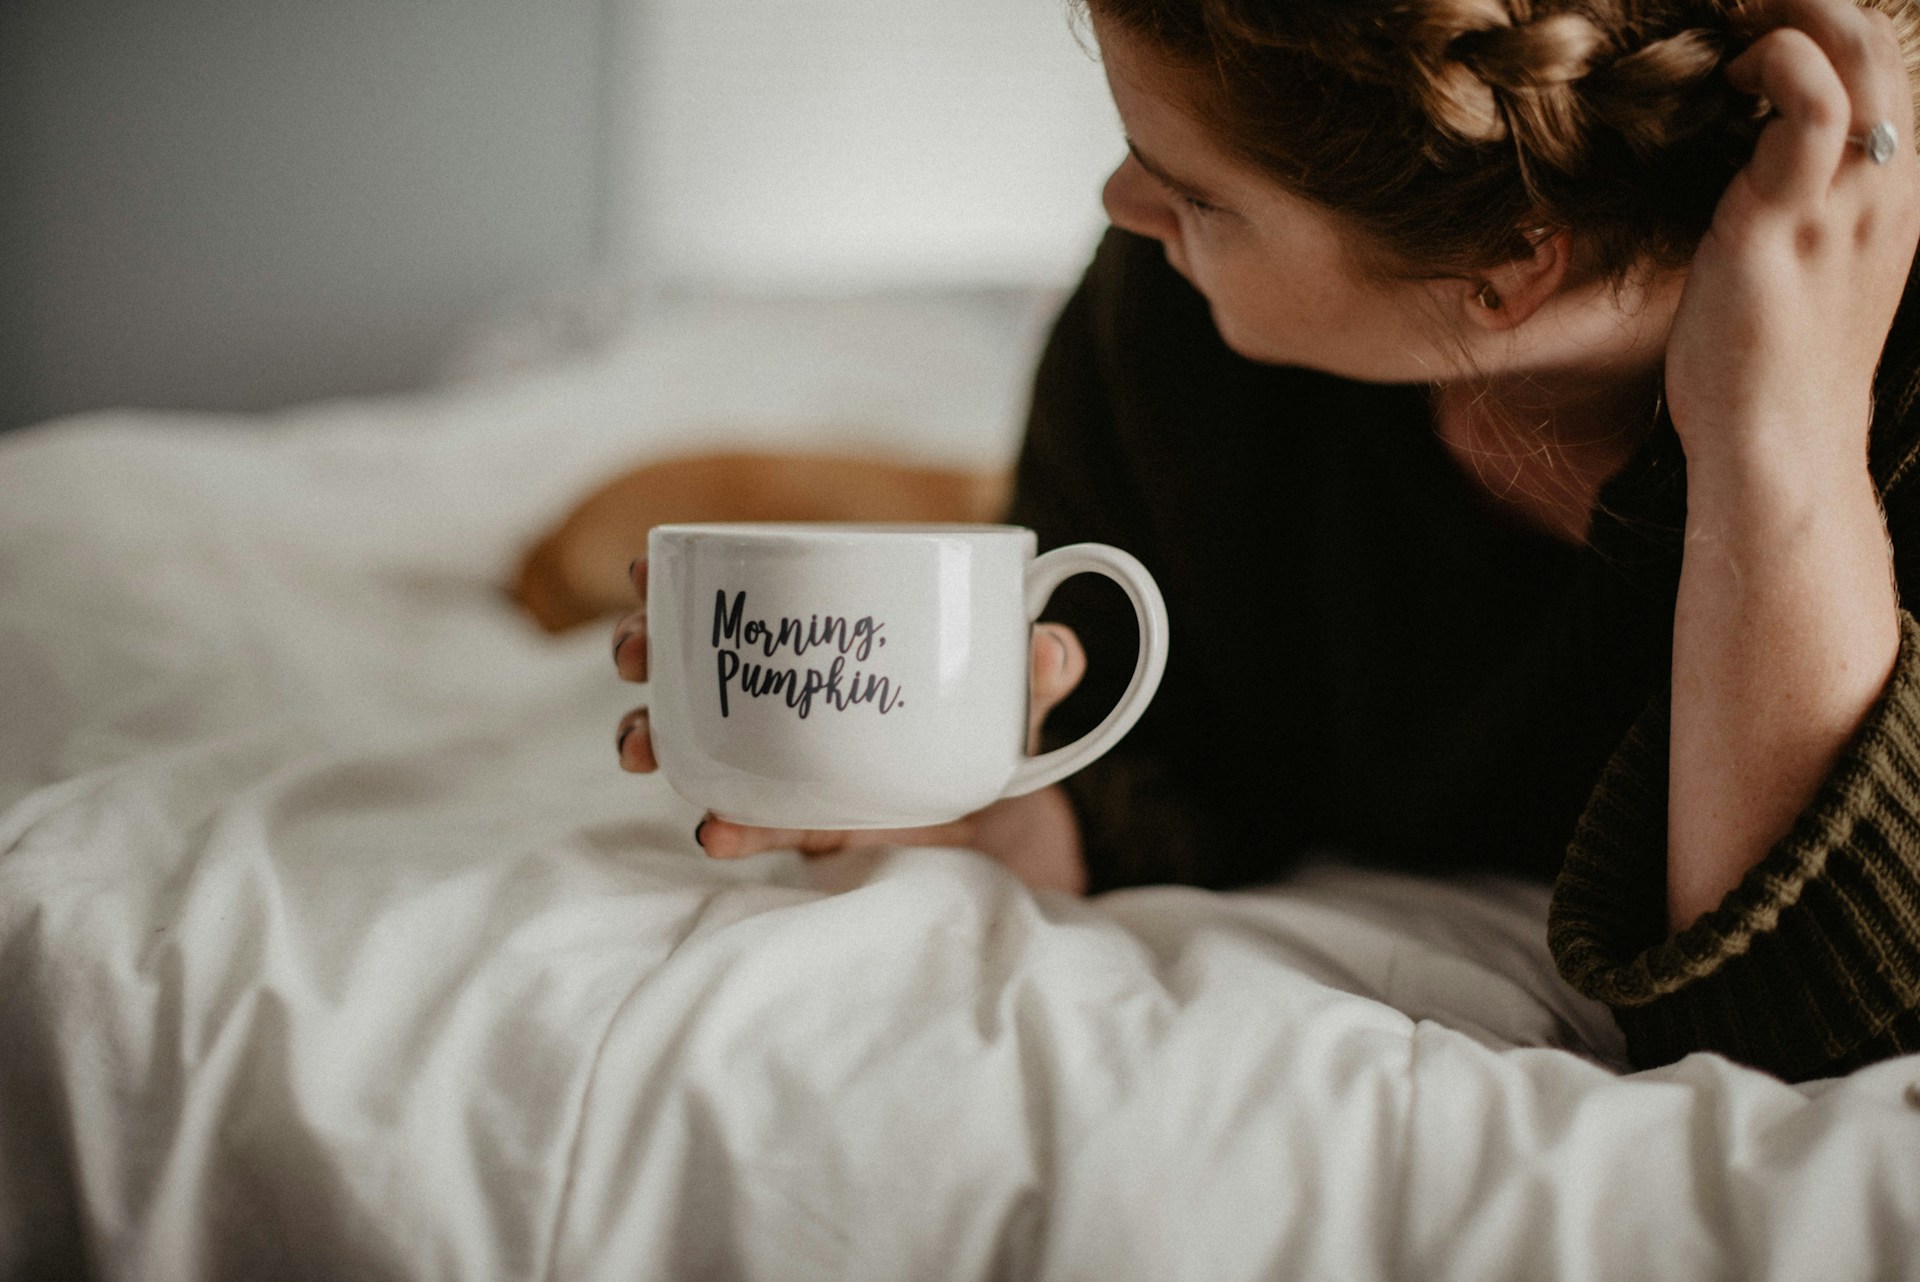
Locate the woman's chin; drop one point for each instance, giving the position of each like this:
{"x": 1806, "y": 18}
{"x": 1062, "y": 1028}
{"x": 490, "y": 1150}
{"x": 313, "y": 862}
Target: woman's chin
{"x": 1254, "y": 346}
{"x": 1245, "y": 344}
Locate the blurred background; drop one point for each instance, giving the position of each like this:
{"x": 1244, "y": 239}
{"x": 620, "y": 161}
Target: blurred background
{"x": 241, "y": 204}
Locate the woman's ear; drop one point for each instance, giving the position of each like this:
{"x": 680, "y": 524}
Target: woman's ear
{"x": 1504, "y": 297}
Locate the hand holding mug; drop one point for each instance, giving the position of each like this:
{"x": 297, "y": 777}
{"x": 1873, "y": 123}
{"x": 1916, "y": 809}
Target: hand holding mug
{"x": 788, "y": 717}
{"x": 1036, "y": 836}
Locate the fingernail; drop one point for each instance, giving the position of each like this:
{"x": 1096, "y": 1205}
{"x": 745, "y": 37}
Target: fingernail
{"x": 697, "y": 830}
{"x": 619, "y": 639}
{"x": 620, "y": 744}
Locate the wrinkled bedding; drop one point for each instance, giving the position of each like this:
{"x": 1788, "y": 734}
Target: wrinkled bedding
{"x": 333, "y": 944}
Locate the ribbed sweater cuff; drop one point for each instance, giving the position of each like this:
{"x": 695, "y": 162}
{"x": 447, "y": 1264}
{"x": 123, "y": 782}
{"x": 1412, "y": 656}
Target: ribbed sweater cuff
{"x": 1813, "y": 958}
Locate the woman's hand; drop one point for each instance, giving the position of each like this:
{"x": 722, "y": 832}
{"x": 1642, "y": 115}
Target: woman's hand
{"x": 1794, "y": 287}
{"x": 1036, "y": 836}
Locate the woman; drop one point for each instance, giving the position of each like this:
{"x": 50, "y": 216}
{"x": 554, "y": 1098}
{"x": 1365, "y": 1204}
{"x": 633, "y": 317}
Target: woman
{"x": 1517, "y": 407}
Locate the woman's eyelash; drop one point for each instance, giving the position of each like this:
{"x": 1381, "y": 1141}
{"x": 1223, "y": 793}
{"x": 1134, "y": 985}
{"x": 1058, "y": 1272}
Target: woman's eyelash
{"x": 1195, "y": 203}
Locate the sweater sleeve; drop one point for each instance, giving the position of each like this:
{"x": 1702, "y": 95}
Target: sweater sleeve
{"x": 1810, "y": 967}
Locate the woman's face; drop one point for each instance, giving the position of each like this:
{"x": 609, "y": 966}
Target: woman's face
{"x": 1274, "y": 268}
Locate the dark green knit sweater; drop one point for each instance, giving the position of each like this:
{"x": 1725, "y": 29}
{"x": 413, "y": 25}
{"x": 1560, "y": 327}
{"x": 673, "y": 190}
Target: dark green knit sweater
{"x": 1369, "y": 658}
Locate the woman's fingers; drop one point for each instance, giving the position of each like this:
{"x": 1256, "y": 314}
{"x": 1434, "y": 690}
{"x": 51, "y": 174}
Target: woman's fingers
{"x": 725, "y": 840}
{"x": 1832, "y": 71}
{"x": 1058, "y": 665}
{"x": 630, "y": 634}
{"x": 1842, "y": 30}
{"x": 630, "y": 646}
{"x": 1800, "y": 150}
{"x": 633, "y": 740}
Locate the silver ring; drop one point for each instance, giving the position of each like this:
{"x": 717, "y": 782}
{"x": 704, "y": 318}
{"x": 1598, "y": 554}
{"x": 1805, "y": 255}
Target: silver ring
{"x": 1880, "y": 142}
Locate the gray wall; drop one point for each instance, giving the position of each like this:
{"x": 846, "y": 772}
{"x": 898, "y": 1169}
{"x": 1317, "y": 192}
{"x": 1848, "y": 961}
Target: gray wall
{"x": 242, "y": 203}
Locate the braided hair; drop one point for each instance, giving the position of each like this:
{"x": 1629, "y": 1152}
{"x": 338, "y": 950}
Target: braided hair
{"x": 1453, "y": 133}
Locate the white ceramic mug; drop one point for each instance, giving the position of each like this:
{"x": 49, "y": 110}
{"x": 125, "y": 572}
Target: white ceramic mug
{"x": 864, "y": 676}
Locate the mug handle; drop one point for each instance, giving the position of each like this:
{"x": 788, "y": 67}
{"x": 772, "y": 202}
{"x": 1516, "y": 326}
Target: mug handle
{"x": 1044, "y": 574}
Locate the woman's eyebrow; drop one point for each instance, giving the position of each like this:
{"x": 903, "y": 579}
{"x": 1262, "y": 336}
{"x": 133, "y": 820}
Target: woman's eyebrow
{"x": 1166, "y": 179}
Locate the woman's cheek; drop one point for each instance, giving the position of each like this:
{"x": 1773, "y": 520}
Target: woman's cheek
{"x": 1240, "y": 332}
{"x": 1178, "y": 259}
{"x": 1236, "y": 309}
{"x": 1251, "y": 346}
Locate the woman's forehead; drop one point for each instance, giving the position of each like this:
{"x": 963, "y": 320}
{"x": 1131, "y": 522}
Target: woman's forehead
{"x": 1156, "y": 106}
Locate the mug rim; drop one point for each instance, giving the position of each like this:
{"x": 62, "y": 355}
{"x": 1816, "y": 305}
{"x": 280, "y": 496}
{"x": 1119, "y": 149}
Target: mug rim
{"x": 774, "y": 531}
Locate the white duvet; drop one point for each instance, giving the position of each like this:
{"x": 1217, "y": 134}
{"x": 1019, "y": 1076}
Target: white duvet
{"x": 334, "y": 945}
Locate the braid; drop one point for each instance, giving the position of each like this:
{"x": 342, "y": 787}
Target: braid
{"x": 1527, "y": 78}
{"x": 1485, "y": 71}
{"x": 1456, "y": 96}
{"x": 1549, "y": 82}
{"x": 1442, "y": 127}
{"x": 1663, "y": 92}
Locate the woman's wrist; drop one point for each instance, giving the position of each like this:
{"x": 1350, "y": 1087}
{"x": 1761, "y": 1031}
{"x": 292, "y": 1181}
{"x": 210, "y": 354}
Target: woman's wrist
{"x": 1752, "y": 495}
{"x": 1037, "y": 836}
{"x": 1781, "y": 444}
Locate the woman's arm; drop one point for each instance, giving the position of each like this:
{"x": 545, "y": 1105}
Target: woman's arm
{"x": 1786, "y": 625}
{"x": 1785, "y": 631}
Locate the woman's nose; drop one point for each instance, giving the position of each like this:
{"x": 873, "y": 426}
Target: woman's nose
{"x": 1136, "y": 203}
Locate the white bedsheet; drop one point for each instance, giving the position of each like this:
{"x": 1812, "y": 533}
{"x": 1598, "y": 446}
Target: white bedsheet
{"x": 333, "y": 944}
